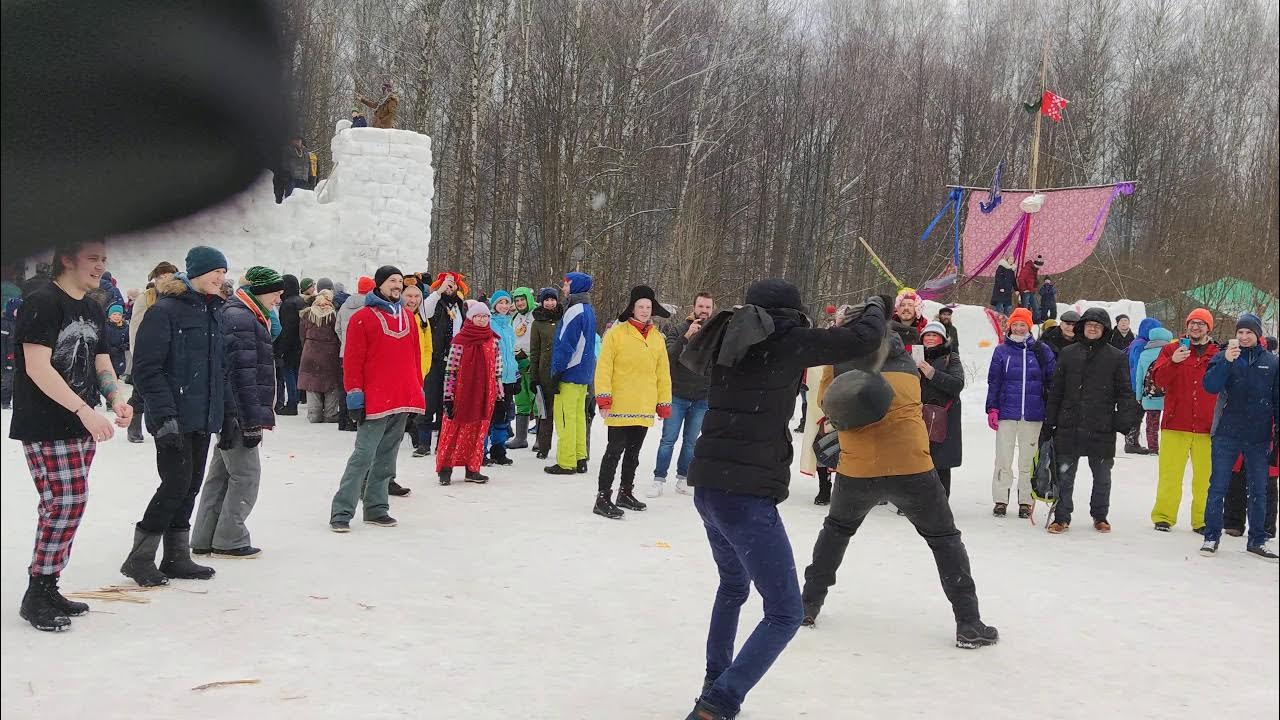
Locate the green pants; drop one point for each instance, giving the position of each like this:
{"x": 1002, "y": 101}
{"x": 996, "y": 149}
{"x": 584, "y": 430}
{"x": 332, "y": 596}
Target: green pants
{"x": 571, "y": 424}
{"x": 525, "y": 404}
{"x": 370, "y": 469}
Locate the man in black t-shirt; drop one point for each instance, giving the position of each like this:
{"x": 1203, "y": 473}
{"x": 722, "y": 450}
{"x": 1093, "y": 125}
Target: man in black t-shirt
{"x": 61, "y": 369}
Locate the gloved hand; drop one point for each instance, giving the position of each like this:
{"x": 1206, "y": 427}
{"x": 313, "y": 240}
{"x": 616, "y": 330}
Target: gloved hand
{"x": 448, "y": 409}
{"x": 604, "y": 402}
{"x": 355, "y": 406}
{"x": 555, "y": 385}
{"x": 356, "y": 415}
{"x": 252, "y": 437}
{"x": 230, "y": 432}
{"x": 993, "y": 419}
{"x": 664, "y": 411}
{"x": 1046, "y": 433}
{"x": 168, "y": 437}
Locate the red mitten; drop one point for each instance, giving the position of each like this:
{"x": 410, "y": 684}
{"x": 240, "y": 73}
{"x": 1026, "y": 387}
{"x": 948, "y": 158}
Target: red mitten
{"x": 664, "y": 411}
{"x": 604, "y": 402}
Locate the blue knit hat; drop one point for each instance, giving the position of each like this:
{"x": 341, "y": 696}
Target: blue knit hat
{"x": 547, "y": 292}
{"x": 115, "y": 308}
{"x": 1251, "y": 322}
{"x": 498, "y": 295}
{"x": 202, "y": 259}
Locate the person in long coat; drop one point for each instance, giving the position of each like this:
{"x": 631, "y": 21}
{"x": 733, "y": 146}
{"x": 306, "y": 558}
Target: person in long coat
{"x": 472, "y": 389}
{"x": 941, "y": 380}
{"x": 320, "y": 369}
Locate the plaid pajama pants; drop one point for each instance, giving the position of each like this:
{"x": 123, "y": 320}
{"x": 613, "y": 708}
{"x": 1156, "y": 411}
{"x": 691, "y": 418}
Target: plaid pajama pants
{"x": 60, "y": 469}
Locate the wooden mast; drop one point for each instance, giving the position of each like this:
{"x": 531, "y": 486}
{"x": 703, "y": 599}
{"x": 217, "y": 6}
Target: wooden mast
{"x": 1035, "y": 140}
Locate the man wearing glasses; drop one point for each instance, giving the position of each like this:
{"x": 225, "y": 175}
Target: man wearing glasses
{"x": 1187, "y": 420}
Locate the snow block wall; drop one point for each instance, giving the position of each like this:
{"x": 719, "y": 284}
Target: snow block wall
{"x": 374, "y": 209}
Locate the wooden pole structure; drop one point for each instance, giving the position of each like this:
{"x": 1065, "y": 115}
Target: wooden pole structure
{"x": 1035, "y": 141}
{"x": 880, "y": 262}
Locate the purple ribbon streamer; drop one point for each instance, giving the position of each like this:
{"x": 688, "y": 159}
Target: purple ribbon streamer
{"x": 1119, "y": 189}
{"x": 995, "y": 253}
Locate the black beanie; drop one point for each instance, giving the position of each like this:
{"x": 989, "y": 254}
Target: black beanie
{"x": 774, "y": 293}
{"x": 384, "y": 272}
{"x": 643, "y": 292}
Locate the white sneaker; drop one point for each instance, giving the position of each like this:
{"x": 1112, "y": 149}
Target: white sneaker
{"x": 682, "y": 486}
{"x": 655, "y": 490}
{"x": 1209, "y": 548}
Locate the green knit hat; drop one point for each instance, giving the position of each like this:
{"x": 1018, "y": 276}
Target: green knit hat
{"x": 307, "y": 284}
{"x": 263, "y": 280}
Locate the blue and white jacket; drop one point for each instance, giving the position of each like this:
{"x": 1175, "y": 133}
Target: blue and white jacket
{"x": 573, "y": 354}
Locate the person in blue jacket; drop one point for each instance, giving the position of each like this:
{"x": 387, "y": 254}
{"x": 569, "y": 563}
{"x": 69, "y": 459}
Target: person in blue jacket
{"x": 573, "y": 368}
{"x": 1152, "y": 398}
{"x": 1048, "y": 301}
{"x": 1017, "y": 384}
{"x": 1244, "y": 377}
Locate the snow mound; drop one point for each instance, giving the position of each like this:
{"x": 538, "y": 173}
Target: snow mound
{"x": 374, "y": 209}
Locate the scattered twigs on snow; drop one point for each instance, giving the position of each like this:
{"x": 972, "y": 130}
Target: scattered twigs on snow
{"x": 226, "y": 683}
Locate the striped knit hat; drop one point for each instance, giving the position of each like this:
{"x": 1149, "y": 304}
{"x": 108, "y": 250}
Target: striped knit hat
{"x": 263, "y": 280}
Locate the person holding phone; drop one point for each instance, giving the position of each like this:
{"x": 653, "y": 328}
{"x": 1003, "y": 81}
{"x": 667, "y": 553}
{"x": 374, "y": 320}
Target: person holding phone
{"x": 1186, "y": 422}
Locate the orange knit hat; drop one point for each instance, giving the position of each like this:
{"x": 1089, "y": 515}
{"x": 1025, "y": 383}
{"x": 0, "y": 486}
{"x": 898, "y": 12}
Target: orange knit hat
{"x": 1203, "y": 316}
{"x": 1022, "y": 315}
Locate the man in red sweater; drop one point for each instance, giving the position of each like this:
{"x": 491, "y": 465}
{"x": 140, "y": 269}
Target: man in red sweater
{"x": 382, "y": 374}
{"x": 1186, "y": 422}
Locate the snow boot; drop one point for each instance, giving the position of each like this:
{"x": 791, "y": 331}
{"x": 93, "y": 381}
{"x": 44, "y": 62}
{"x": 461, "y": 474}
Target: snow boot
{"x": 1209, "y": 548}
{"x": 703, "y": 710}
{"x": 582, "y": 467}
{"x": 605, "y": 507}
{"x": 477, "y": 478}
{"x": 542, "y": 454}
{"x": 824, "y": 492}
{"x": 39, "y": 608}
{"x": 446, "y": 476}
{"x": 135, "y": 428}
{"x": 974, "y": 634}
{"x": 557, "y": 470}
{"x": 140, "y": 565}
{"x": 498, "y": 455}
{"x": 177, "y": 562}
{"x": 1000, "y": 509}
{"x": 1024, "y": 511}
{"x": 1163, "y": 527}
{"x": 70, "y": 608}
{"x": 394, "y": 488}
{"x": 521, "y": 439}
{"x": 1262, "y": 552}
{"x": 628, "y": 501}
{"x": 1134, "y": 449}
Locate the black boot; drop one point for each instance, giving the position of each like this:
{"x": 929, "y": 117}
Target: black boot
{"x": 394, "y": 488}
{"x": 582, "y": 466}
{"x": 704, "y": 710}
{"x": 628, "y": 501}
{"x": 140, "y": 565}
{"x": 557, "y": 470}
{"x": 605, "y": 507}
{"x": 477, "y": 478}
{"x": 38, "y": 607}
{"x": 446, "y": 476}
{"x": 521, "y": 439}
{"x": 177, "y": 562}
{"x": 824, "y": 491}
{"x": 974, "y": 634}
{"x": 135, "y": 428}
{"x": 70, "y": 607}
{"x": 498, "y": 455}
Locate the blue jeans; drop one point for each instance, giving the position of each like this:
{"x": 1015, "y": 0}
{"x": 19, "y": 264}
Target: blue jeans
{"x": 1002, "y": 308}
{"x": 1030, "y": 301}
{"x": 749, "y": 545}
{"x": 1225, "y": 451}
{"x": 287, "y": 386}
{"x": 688, "y": 413}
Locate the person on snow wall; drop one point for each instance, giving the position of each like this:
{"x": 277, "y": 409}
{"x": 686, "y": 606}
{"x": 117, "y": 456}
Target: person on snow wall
{"x": 320, "y": 370}
{"x": 884, "y": 455}
{"x": 295, "y": 169}
{"x": 522, "y": 325}
{"x": 180, "y": 369}
{"x": 420, "y": 432}
{"x": 543, "y": 333}
{"x": 1186, "y": 421}
{"x": 161, "y": 273}
{"x": 117, "y": 338}
{"x": 1063, "y": 334}
{"x": 1132, "y": 443}
{"x": 288, "y": 347}
{"x": 61, "y": 369}
{"x": 1028, "y": 283}
{"x": 231, "y": 488}
{"x": 1090, "y": 400}
{"x": 444, "y": 309}
{"x": 573, "y": 368}
{"x": 755, "y": 356}
{"x": 632, "y": 384}
{"x": 384, "y": 110}
{"x": 346, "y": 310}
{"x": 473, "y": 388}
{"x": 1048, "y": 300}
{"x": 688, "y": 401}
{"x": 501, "y": 306}
{"x": 1004, "y": 286}
{"x": 1148, "y": 393}
{"x": 953, "y": 335}
{"x": 1017, "y": 381}
{"x": 382, "y": 374}
{"x": 358, "y": 120}
{"x": 941, "y": 381}
{"x": 1246, "y": 380}
{"x": 1121, "y": 336}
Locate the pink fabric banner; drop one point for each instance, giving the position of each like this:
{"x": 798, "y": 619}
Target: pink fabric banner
{"x": 1059, "y": 232}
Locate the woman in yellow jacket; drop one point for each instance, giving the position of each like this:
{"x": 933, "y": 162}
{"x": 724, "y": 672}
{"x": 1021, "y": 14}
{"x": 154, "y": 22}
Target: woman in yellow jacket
{"x": 633, "y": 383}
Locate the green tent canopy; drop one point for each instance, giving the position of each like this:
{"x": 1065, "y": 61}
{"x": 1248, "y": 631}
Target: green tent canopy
{"x": 1231, "y": 296}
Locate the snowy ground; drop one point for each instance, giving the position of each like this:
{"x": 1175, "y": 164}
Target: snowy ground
{"x": 512, "y": 600}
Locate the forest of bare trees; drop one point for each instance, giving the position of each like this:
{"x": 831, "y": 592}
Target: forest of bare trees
{"x": 700, "y": 144}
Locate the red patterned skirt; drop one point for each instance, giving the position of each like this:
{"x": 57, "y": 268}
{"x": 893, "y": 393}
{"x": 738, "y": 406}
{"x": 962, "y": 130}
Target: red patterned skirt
{"x": 461, "y": 445}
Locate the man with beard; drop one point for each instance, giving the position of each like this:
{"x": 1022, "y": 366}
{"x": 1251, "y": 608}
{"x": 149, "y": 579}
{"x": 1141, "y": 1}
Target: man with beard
{"x": 444, "y": 308}
{"x": 688, "y": 401}
{"x": 382, "y": 374}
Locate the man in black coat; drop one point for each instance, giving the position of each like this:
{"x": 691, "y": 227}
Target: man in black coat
{"x": 231, "y": 488}
{"x": 288, "y": 347}
{"x": 755, "y": 356}
{"x": 1090, "y": 400}
{"x": 180, "y": 369}
{"x": 1121, "y": 336}
{"x": 444, "y": 308}
{"x": 1002, "y": 289}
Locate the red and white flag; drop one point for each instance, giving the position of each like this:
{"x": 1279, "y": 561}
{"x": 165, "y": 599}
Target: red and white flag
{"x": 1052, "y": 105}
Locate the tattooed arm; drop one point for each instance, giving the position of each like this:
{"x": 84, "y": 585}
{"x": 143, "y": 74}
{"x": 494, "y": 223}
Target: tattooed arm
{"x": 110, "y": 387}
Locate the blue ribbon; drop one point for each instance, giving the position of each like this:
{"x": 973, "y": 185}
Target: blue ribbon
{"x": 994, "y": 197}
{"x": 953, "y": 203}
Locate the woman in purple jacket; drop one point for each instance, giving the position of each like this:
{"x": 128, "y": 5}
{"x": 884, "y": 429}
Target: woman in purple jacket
{"x": 1017, "y": 384}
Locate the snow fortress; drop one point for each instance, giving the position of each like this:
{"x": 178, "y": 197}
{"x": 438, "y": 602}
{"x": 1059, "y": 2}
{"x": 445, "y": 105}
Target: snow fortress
{"x": 374, "y": 209}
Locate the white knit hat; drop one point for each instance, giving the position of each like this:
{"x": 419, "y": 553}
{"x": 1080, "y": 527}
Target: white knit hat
{"x": 935, "y": 327}
{"x": 475, "y": 307}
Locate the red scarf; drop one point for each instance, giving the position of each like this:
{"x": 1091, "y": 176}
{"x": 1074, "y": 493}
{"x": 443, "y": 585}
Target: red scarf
{"x": 643, "y": 328}
{"x": 475, "y": 390}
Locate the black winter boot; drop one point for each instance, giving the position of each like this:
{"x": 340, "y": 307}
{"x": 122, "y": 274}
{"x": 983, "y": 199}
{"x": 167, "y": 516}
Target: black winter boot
{"x": 70, "y": 607}
{"x": 824, "y": 491}
{"x": 704, "y": 710}
{"x": 177, "y": 561}
{"x": 140, "y": 565}
{"x": 477, "y": 478}
{"x": 135, "y": 428}
{"x": 498, "y": 455}
{"x": 582, "y": 467}
{"x": 974, "y": 634}
{"x": 446, "y": 476}
{"x": 38, "y": 607}
{"x": 521, "y": 439}
{"x": 628, "y": 501}
{"x": 394, "y": 488}
{"x": 605, "y": 507}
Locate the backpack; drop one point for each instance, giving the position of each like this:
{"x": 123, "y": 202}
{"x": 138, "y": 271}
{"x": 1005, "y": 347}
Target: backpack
{"x": 1044, "y": 474}
{"x": 1149, "y": 387}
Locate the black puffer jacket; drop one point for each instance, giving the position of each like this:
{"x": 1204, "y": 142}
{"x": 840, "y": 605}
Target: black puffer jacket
{"x": 1091, "y": 398}
{"x": 179, "y": 362}
{"x": 944, "y": 387}
{"x": 250, "y": 368}
{"x": 288, "y": 347}
{"x": 685, "y": 383}
{"x": 746, "y": 442}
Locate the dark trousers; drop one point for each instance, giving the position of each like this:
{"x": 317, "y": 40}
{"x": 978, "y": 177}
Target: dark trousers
{"x": 1234, "y": 512}
{"x": 944, "y": 477}
{"x": 624, "y": 444}
{"x": 1226, "y": 451}
{"x": 287, "y": 386}
{"x": 1048, "y": 310}
{"x": 804, "y": 407}
{"x": 181, "y": 474}
{"x": 1099, "y": 499}
{"x": 750, "y": 545}
{"x": 921, "y": 499}
{"x": 546, "y": 425}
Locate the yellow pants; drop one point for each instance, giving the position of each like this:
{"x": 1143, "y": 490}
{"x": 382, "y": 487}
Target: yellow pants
{"x": 570, "y": 410}
{"x": 1175, "y": 446}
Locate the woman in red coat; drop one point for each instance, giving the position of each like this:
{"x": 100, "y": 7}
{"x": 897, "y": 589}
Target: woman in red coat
{"x": 472, "y": 387}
